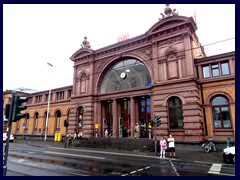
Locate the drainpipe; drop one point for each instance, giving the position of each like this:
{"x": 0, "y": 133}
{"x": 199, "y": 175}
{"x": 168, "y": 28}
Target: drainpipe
{"x": 204, "y": 112}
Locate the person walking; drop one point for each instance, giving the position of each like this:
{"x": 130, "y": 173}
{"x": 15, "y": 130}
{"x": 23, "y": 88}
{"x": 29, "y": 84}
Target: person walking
{"x": 69, "y": 140}
{"x": 171, "y": 146}
{"x": 163, "y": 147}
{"x": 137, "y": 131}
{"x": 65, "y": 141}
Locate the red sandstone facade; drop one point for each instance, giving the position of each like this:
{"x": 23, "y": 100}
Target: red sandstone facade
{"x": 161, "y": 74}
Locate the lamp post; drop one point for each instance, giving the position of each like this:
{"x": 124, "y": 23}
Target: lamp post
{"x": 49, "y": 98}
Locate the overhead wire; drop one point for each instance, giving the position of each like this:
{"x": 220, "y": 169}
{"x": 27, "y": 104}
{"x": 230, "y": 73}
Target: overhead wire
{"x": 217, "y": 42}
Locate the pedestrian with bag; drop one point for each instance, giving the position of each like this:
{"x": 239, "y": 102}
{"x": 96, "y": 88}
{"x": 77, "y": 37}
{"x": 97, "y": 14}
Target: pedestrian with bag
{"x": 171, "y": 146}
{"x": 69, "y": 140}
{"x": 163, "y": 147}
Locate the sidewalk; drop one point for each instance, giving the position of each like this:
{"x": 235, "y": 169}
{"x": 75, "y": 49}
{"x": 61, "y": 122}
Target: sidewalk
{"x": 184, "y": 152}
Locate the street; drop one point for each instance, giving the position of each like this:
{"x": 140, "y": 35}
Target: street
{"x": 37, "y": 160}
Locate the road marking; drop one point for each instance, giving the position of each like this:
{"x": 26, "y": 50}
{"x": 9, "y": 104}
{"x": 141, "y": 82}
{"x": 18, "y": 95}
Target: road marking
{"x": 76, "y": 155}
{"x": 107, "y": 152}
{"x": 215, "y": 168}
{"x": 175, "y": 170}
{"x": 138, "y": 170}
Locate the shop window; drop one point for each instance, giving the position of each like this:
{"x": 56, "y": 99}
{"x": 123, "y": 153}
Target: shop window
{"x": 175, "y": 113}
{"x": 220, "y": 112}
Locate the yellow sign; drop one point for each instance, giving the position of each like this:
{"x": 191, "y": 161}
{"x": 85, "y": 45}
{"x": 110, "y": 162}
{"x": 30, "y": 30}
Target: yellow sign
{"x": 96, "y": 126}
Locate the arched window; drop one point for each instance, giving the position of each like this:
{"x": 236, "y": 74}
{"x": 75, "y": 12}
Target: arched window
{"x": 126, "y": 74}
{"x": 27, "y": 122}
{"x": 80, "y": 113}
{"x": 36, "y": 121}
{"x": 220, "y": 111}
{"x": 175, "y": 113}
{"x": 58, "y": 117}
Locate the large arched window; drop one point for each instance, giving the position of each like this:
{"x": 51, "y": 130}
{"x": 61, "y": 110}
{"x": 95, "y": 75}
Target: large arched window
{"x": 175, "y": 113}
{"x": 57, "y": 120}
{"x": 126, "y": 74}
{"x": 36, "y": 121}
{"x": 220, "y": 111}
{"x": 80, "y": 113}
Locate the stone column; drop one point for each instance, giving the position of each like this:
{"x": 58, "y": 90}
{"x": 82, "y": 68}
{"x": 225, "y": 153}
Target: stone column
{"x": 115, "y": 120}
{"x": 132, "y": 115}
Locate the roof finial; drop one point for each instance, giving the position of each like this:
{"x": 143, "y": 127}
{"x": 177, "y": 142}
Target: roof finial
{"x": 168, "y": 12}
{"x": 85, "y": 43}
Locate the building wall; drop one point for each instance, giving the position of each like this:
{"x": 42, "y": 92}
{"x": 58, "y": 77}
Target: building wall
{"x": 168, "y": 50}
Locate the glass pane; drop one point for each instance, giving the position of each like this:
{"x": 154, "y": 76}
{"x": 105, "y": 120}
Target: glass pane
{"x": 176, "y": 119}
{"x": 227, "y": 124}
{"x": 219, "y": 101}
{"x": 206, "y": 72}
{"x": 217, "y": 124}
{"x": 216, "y": 114}
{"x": 173, "y": 119}
{"x": 175, "y": 102}
{"x": 137, "y": 76}
{"x": 226, "y": 117}
{"x": 225, "y": 69}
{"x": 215, "y": 72}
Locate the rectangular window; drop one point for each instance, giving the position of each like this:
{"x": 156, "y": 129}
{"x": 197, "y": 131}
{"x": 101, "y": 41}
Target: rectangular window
{"x": 69, "y": 94}
{"x": 206, "y": 72}
{"x": 225, "y": 68}
{"x": 215, "y": 70}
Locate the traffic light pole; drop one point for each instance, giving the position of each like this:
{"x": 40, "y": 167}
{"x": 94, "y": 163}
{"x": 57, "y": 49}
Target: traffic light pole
{"x": 155, "y": 136}
{"x": 5, "y": 155}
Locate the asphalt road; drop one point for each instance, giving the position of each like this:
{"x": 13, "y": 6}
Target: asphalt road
{"x": 41, "y": 157}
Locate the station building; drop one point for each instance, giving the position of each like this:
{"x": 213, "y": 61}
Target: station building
{"x": 163, "y": 72}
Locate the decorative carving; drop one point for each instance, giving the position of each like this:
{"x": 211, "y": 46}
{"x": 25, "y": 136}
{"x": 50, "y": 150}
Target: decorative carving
{"x": 85, "y": 43}
{"x": 148, "y": 52}
{"x": 168, "y": 12}
{"x": 172, "y": 40}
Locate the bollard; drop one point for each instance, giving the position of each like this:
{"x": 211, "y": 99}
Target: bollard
{"x": 59, "y": 137}
{"x": 55, "y": 137}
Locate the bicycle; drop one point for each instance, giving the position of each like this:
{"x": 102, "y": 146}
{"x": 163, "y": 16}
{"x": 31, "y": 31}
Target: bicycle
{"x": 208, "y": 146}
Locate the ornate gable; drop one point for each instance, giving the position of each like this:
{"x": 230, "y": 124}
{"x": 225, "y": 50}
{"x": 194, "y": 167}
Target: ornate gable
{"x": 171, "y": 20}
{"x": 81, "y": 53}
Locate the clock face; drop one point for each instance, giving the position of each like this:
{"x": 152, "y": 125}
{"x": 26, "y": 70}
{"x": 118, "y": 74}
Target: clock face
{"x": 123, "y": 75}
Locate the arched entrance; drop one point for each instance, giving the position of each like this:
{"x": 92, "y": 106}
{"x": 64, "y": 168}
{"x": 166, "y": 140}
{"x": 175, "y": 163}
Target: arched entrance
{"x": 119, "y": 118}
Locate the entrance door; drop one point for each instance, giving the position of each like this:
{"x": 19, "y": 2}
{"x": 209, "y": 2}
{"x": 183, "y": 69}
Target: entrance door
{"x": 144, "y": 116}
{"x": 107, "y": 125}
{"x": 125, "y": 116}
{"x": 120, "y": 127}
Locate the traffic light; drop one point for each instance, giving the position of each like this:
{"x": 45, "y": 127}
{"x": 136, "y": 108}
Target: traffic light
{"x": 65, "y": 123}
{"x": 158, "y": 120}
{"x": 7, "y": 109}
{"x": 18, "y": 107}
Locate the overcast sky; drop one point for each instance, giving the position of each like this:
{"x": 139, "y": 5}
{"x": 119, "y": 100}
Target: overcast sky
{"x": 37, "y": 34}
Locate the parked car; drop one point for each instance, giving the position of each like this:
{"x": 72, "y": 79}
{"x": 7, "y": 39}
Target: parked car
{"x": 229, "y": 154}
{"x": 5, "y": 137}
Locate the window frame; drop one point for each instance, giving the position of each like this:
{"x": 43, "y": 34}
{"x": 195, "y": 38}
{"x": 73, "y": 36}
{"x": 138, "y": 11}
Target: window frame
{"x": 220, "y": 108}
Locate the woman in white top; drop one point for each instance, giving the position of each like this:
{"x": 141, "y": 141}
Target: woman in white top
{"x": 171, "y": 146}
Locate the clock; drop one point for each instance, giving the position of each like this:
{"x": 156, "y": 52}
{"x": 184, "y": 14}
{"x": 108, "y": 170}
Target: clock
{"x": 123, "y": 75}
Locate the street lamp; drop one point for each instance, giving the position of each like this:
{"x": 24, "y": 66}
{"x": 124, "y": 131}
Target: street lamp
{"x": 49, "y": 98}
